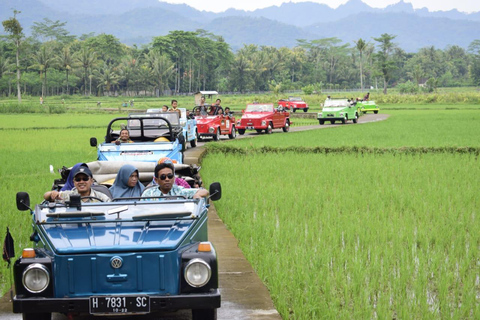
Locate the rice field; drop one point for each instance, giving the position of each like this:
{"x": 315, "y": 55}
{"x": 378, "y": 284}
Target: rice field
{"x": 350, "y": 236}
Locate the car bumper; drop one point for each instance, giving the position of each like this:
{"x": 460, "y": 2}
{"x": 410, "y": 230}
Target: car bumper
{"x": 209, "y": 300}
{"x": 252, "y": 127}
{"x": 332, "y": 118}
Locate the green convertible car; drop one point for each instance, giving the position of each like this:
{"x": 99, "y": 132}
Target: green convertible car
{"x": 338, "y": 110}
{"x": 365, "y": 106}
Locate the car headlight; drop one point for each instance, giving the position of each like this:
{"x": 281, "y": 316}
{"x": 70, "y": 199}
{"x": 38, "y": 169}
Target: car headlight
{"x": 36, "y": 278}
{"x": 341, "y": 114}
{"x": 319, "y": 115}
{"x": 238, "y": 123}
{"x": 264, "y": 122}
{"x": 211, "y": 130}
{"x": 197, "y": 273}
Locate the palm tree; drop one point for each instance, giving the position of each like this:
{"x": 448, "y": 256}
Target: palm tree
{"x": 87, "y": 59}
{"x": 361, "y": 46}
{"x": 107, "y": 77}
{"x": 161, "y": 66}
{"x": 44, "y": 59}
{"x": 65, "y": 61}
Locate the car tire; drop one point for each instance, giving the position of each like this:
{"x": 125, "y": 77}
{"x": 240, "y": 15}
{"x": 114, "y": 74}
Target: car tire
{"x": 321, "y": 122}
{"x": 233, "y": 134}
{"x": 376, "y": 111}
{"x": 216, "y": 137}
{"x": 294, "y": 110}
{"x": 259, "y": 130}
{"x": 204, "y": 314}
{"x": 241, "y": 132}
{"x": 193, "y": 143}
{"x": 269, "y": 129}
{"x": 305, "y": 110}
{"x": 36, "y": 316}
{"x": 355, "y": 120}
{"x": 287, "y": 126}
{"x": 332, "y": 121}
{"x": 344, "y": 120}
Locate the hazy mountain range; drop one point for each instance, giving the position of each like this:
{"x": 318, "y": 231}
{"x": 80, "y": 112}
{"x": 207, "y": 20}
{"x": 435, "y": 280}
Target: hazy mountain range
{"x": 137, "y": 21}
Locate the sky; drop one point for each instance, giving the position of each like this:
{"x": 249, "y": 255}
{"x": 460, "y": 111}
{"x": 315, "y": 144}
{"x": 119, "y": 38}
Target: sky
{"x": 250, "y": 5}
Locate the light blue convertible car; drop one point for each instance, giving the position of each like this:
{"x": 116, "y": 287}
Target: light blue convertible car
{"x": 152, "y": 137}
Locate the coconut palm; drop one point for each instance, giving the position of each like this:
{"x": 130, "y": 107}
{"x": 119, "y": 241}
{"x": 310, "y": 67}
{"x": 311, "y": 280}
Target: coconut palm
{"x": 87, "y": 58}
{"x": 43, "y": 60}
{"x": 361, "y": 46}
{"x": 65, "y": 61}
{"x": 107, "y": 77}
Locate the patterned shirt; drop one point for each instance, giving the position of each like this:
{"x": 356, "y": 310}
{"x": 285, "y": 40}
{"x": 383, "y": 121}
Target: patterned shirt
{"x": 175, "y": 191}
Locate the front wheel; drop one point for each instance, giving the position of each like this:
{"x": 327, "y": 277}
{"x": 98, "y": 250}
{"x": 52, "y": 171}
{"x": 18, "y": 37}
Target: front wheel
{"x": 204, "y": 314}
{"x": 305, "y": 110}
{"x": 287, "y": 127}
{"x": 36, "y": 316}
{"x": 241, "y": 132}
{"x": 269, "y": 129}
{"x": 216, "y": 137}
{"x": 356, "y": 118}
{"x": 376, "y": 111}
{"x": 193, "y": 143}
{"x": 294, "y": 110}
{"x": 321, "y": 122}
{"x": 233, "y": 134}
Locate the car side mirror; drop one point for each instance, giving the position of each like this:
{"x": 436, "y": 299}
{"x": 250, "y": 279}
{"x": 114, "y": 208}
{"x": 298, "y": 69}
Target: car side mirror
{"x": 215, "y": 191}
{"x": 93, "y": 142}
{"x": 23, "y": 201}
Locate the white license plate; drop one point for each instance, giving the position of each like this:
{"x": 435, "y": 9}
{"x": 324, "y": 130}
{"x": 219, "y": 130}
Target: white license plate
{"x": 119, "y": 304}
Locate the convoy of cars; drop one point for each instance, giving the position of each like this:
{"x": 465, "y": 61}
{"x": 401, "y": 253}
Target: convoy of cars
{"x": 263, "y": 117}
{"x": 132, "y": 256}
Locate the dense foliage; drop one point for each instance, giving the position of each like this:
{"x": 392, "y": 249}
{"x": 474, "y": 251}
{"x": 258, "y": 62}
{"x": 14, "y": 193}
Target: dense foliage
{"x": 52, "y": 62}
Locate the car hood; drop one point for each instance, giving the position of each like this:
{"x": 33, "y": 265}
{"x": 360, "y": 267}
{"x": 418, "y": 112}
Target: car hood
{"x": 333, "y": 109}
{"x": 255, "y": 115}
{"x": 206, "y": 120}
{"x": 143, "y": 151}
{"x": 145, "y": 225}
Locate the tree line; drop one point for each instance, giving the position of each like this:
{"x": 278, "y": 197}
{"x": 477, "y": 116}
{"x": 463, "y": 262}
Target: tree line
{"x": 53, "y": 62}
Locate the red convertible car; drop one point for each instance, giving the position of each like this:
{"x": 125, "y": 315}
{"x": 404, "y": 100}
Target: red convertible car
{"x": 293, "y": 103}
{"x": 261, "y": 117}
{"x": 214, "y": 123}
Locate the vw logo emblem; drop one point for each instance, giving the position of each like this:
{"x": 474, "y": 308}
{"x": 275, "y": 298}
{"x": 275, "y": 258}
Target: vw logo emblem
{"x": 116, "y": 262}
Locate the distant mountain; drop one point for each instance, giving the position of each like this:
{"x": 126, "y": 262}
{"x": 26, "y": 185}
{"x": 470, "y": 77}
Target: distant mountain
{"x": 261, "y": 31}
{"x": 413, "y": 32}
{"x": 137, "y": 21}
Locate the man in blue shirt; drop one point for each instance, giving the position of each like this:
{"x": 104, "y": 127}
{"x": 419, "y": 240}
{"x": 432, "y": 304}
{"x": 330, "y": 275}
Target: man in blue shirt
{"x": 165, "y": 178}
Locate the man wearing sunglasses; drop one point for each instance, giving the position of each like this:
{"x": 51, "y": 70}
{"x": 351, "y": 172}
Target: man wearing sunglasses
{"x": 82, "y": 181}
{"x": 165, "y": 178}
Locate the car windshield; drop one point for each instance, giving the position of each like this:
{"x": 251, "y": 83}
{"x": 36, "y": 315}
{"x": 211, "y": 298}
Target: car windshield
{"x": 294, "y": 99}
{"x": 155, "y": 123}
{"x": 336, "y": 103}
{"x": 260, "y": 108}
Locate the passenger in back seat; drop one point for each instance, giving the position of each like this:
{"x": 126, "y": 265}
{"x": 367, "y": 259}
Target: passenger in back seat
{"x": 127, "y": 183}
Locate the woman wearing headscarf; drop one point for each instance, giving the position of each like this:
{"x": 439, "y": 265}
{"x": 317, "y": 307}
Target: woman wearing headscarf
{"x": 127, "y": 183}
{"x": 69, "y": 183}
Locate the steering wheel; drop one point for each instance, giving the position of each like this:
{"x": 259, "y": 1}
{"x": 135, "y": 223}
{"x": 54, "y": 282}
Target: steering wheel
{"x": 90, "y": 197}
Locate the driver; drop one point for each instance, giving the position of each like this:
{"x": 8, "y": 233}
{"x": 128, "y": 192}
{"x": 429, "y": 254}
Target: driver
{"x": 165, "y": 178}
{"x": 82, "y": 181}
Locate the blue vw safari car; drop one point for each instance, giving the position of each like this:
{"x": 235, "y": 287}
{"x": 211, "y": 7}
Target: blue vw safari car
{"x": 125, "y": 257}
{"x": 153, "y": 137}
